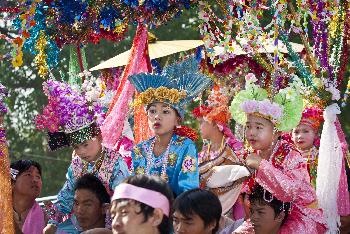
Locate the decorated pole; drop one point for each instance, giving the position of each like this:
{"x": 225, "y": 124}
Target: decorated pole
{"x": 6, "y": 214}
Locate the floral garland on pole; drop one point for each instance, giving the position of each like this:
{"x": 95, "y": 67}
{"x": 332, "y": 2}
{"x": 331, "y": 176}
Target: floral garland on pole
{"x": 6, "y": 216}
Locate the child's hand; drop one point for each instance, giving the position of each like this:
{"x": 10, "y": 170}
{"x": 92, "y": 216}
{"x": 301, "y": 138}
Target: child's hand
{"x": 50, "y": 229}
{"x": 253, "y": 161}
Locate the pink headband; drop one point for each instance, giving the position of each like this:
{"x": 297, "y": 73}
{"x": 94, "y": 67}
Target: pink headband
{"x": 149, "y": 197}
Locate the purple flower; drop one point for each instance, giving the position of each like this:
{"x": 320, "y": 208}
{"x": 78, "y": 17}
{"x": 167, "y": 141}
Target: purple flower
{"x": 264, "y": 107}
{"x": 276, "y": 111}
{"x": 249, "y": 106}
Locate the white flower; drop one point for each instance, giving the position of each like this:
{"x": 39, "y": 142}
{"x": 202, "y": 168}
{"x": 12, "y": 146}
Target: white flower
{"x": 334, "y": 91}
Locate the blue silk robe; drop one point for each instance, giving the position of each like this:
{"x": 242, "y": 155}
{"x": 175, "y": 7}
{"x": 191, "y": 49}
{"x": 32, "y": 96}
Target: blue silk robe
{"x": 182, "y": 166}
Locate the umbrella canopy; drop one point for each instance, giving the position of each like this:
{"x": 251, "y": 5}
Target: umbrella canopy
{"x": 156, "y": 50}
{"x": 160, "y": 49}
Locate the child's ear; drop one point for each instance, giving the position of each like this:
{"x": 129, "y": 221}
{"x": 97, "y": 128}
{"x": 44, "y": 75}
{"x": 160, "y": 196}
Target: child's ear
{"x": 276, "y": 134}
{"x": 106, "y": 207}
{"x": 280, "y": 217}
{"x": 178, "y": 121}
{"x": 99, "y": 137}
{"x": 157, "y": 217}
{"x": 212, "y": 225}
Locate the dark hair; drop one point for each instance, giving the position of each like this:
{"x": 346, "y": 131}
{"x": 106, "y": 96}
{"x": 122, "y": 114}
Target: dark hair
{"x": 23, "y": 165}
{"x": 201, "y": 202}
{"x": 157, "y": 184}
{"x": 176, "y": 111}
{"x": 263, "y": 197}
{"x": 93, "y": 184}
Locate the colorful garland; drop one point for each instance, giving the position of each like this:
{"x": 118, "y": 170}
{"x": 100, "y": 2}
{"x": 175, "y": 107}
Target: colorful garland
{"x": 322, "y": 68}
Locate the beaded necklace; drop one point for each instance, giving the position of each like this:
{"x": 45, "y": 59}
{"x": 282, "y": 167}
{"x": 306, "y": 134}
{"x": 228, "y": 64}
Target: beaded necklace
{"x": 212, "y": 155}
{"x": 96, "y": 167}
{"x": 312, "y": 162}
{"x": 152, "y": 162}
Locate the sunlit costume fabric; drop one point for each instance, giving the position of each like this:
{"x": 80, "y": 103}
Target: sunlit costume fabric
{"x": 176, "y": 86}
{"x": 76, "y": 119}
{"x": 285, "y": 173}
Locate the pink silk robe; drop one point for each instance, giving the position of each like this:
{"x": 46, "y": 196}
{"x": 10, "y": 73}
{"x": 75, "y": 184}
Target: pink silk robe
{"x": 286, "y": 177}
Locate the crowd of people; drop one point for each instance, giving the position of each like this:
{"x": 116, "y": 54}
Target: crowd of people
{"x": 264, "y": 185}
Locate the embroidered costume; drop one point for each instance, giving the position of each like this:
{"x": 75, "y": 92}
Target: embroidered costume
{"x": 176, "y": 86}
{"x": 212, "y": 164}
{"x": 73, "y": 123}
{"x": 331, "y": 172}
{"x": 181, "y": 158}
{"x": 285, "y": 173}
{"x": 312, "y": 117}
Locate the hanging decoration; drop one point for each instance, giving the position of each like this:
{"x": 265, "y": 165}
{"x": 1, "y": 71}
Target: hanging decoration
{"x": 78, "y": 22}
{"x": 252, "y": 25}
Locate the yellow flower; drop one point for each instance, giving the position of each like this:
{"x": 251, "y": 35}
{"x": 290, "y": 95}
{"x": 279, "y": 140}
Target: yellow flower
{"x": 140, "y": 171}
{"x": 17, "y": 61}
{"x": 172, "y": 159}
{"x": 161, "y": 94}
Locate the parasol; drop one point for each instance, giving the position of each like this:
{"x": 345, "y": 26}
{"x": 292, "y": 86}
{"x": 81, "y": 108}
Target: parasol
{"x": 157, "y": 49}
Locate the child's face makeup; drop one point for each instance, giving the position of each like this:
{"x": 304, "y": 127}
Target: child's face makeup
{"x": 259, "y": 132}
{"x": 304, "y": 136}
{"x": 162, "y": 119}
{"x": 89, "y": 150}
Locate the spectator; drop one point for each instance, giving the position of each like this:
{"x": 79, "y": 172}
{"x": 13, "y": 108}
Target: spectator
{"x": 26, "y": 180}
{"x": 141, "y": 204}
{"x": 91, "y": 204}
{"x": 268, "y": 214}
{"x": 196, "y": 211}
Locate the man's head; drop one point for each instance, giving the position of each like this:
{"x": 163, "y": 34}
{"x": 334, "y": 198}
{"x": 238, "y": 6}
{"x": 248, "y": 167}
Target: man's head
{"x": 90, "y": 201}
{"x": 267, "y": 213}
{"x": 141, "y": 204}
{"x": 26, "y": 178}
{"x": 196, "y": 211}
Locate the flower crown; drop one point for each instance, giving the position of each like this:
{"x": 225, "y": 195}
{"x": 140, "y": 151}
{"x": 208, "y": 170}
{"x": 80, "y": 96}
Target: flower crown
{"x": 284, "y": 110}
{"x": 162, "y": 94}
{"x": 67, "y": 109}
{"x": 216, "y": 109}
{"x": 312, "y": 116}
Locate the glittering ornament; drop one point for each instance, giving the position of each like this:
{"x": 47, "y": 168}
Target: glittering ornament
{"x": 40, "y": 58}
{"x": 6, "y": 215}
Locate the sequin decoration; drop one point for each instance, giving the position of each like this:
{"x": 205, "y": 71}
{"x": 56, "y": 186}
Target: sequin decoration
{"x": 6, "y": 216}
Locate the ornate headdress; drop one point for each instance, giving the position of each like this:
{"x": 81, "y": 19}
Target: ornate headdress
{"x": 284, "y": 110}
{"x": 313, "y": 117}
{"x": 177, "y": 85}
{"x": 69, "y": 116}
{"x": 216, "y": 109}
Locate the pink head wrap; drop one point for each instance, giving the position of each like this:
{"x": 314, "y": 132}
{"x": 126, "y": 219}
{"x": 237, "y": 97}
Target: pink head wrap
{"x": 149, "y": 197}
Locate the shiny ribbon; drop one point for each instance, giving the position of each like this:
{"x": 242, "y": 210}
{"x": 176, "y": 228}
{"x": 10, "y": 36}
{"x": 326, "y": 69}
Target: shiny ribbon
{"x": 138, "y": 62}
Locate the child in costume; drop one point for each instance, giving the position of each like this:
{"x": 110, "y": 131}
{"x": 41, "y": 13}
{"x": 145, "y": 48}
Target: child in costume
{"x": 221, "y": 149}
{"x": 73, "y": 121}
{"x": 280, "y": 168}
{"x": 306, "y": 138}
{"x": 169, "y": 154}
